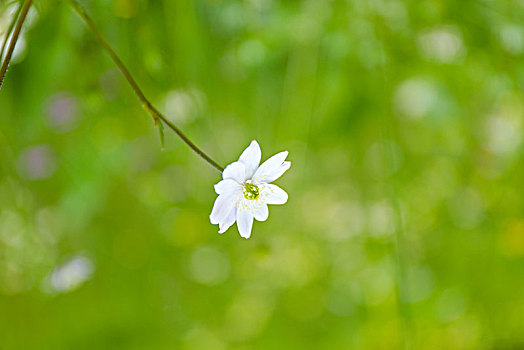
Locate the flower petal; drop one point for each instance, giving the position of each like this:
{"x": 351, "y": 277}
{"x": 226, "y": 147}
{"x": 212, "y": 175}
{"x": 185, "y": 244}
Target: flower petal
{"x": 244, "y": 222}
{"x": 261, "y": 212}
{"x": 272, "y": 194}
{"x": 228, "y": 221}
{"x": 228, "y": 185}
{"x": 251, "y": 158}
{"x": 235, "y": 171}
{"x": 222, "y": 207}
{"x": 272, "y": 168}
{"x": 278, "y": 173}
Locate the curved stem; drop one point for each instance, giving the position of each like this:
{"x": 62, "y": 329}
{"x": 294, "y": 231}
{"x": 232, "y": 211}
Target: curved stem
{"x": 14, "y": 39}
{"x": 155, "y": 114}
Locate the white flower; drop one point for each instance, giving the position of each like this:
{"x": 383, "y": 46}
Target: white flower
{"x": 245, "y": 190}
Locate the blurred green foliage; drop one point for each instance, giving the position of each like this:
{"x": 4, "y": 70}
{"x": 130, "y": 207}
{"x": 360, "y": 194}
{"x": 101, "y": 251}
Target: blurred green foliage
{"x": 405, "y": 221}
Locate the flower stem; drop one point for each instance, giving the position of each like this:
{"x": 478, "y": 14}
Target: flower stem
{"x": 399, "y": 245}
{"x": 155, "y": 114}
{"x": 407, "y": 326}
{"x": 10, "y": 30}
{"x": 14, "y": 39}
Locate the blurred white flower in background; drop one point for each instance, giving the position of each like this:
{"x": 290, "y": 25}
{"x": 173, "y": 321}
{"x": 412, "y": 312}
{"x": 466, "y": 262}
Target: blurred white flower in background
{"x": 512, "y": 38}
{"x": 416, "y": 97}
{"x": 442, "y": 44}
{"x": 184, "y": 105}
{"x": 503, "y": 133}
{"x": 70, "y": 275}
{"x": 246, "y": 190}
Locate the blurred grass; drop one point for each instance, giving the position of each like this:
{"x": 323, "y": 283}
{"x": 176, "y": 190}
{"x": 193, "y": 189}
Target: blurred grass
{"x": 401, "y": 117}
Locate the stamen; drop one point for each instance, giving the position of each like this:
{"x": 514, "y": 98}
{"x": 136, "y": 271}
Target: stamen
{"x": 251, "y": 191}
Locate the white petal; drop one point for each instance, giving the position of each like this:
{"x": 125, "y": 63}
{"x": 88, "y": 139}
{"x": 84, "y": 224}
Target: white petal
{"x": 281, "y": 170}
{"x": 272, "y": 194}
{"x": 228, "y": 221}
{"x": 272, "y": 168}
{"x": 222, "y": 207}
{"x": 261, "y": 212}
{"x": 244, "y": 222}
{"x": 251, "y": 158}
{"x": 226, "y": 186}
{"x": 235, "y": 171}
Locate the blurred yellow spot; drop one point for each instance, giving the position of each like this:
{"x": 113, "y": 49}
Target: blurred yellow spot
{"x": 512, "y": 240}
{"x": 131, "y": 249}
{"x": 451, "y": 305}
{"x": 377, "y": 283}
{"x": 247, "y": 317}
{"x": 107, "y": 134}
{"x": 125, "y": 8}
{"x": 304, "y": 304}
{"x": 290, "y": 263}
{"x": 187, "y": 229}
{"x": 208, "y": 265}
{"x": 148, "y": 189}
{"x": 202, "y": 338}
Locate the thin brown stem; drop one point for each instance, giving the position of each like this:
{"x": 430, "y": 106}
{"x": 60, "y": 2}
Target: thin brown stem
{"x": 10, "y": 30}
{"x": 153, "y": 112}
{"x": 14, "y": 39}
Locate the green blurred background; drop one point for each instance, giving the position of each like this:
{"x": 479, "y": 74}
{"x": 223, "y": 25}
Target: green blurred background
{"x": 405, "y": 221}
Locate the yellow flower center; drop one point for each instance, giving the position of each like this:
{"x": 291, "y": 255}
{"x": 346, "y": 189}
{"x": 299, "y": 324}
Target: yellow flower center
{"x": 251, "y": 191}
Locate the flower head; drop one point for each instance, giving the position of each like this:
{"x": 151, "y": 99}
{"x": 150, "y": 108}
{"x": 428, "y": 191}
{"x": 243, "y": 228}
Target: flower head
{"x": 246, "y": 190}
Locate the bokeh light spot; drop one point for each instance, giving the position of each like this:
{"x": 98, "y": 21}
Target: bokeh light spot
{"x": 209, "y": 266}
